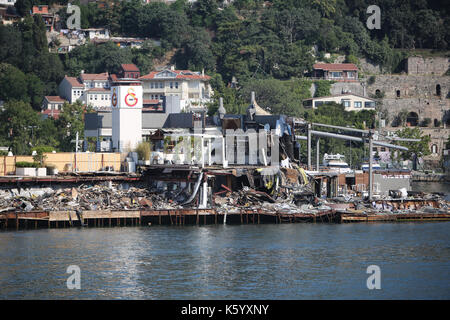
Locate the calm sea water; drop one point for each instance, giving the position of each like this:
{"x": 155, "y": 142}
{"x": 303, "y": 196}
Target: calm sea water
{"x": 288, "y": 261}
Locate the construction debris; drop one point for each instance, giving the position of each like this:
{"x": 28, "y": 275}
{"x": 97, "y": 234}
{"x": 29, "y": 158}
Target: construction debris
{"x": 86, "y": 197}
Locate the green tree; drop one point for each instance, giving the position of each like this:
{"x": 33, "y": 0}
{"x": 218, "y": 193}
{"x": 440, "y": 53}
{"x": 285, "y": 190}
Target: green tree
{"x": 420, "y": 148}
{"x": 19, "y": 125}
{"x": 13, "y": 83}
{"x": 323, "y": 88}
{"x": 70, "y": 122}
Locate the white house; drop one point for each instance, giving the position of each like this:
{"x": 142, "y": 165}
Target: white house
{"x": 8, "y": 2}
{"x": 192, "y": 88}
{"x": 71, "y": 89}
{"x": 90, "y": 89}
{"x": 99, "y": 33}
{"x": 351, "y": 102}
{"x": 98, "y": 97}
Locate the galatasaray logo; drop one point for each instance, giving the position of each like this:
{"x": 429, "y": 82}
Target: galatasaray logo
{"x": 130, "y": 99}
{"x": 114, "y": 98}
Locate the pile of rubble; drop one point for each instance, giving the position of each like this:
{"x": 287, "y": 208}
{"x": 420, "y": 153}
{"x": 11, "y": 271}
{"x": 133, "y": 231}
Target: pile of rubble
{"x": 85, "y": 197}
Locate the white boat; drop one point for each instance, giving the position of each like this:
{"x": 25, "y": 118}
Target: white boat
{"x": 375, "y": 166}
{"x": 335, "y": 163}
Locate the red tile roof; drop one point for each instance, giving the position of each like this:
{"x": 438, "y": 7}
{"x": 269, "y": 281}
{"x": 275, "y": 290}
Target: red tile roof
{"x": 180, "y": 74}
{"x": 94, "y": 76}
{"x": 40, "y": 9}
{"x": 55, "y": 99}
{"x": 51, "y": 113}
{"x": 74, "y": 82}
{"x": 335, "y": 66}
{"x": 129, "y": 67}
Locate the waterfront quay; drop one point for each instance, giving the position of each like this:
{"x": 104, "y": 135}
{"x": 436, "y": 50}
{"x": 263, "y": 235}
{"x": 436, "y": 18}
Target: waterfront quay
{"x": 179, "y": 217}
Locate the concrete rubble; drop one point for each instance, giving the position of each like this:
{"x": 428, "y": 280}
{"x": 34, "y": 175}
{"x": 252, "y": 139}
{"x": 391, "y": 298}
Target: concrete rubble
{"x": 289, "y": 190}
{"x": 86, "y": 197}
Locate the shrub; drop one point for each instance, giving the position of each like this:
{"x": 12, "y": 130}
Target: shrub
{"x": 43, "y": 149}
{"x": 39, "y": 158}
{"x": 26, "y": 164}
{"x": 143, "y": 151}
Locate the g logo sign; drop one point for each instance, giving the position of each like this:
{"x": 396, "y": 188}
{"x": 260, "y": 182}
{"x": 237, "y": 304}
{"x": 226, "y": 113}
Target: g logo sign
{"x": 114, "y": 98}
{"x": 130, "y": 99}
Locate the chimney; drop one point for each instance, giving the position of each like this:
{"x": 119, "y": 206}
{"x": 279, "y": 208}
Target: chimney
{"x": 172, "y": 67}
{"x": 203, "y": 72}
{"x": 253, "y": 97}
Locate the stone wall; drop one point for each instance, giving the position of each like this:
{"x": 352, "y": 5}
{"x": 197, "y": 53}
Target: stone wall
{"x": 344, "y": 87}
{"x": 422, "y": 66}
{"x": 369, "y": 67}
{"x": 407, "y": 86}
{"x": 416, "y": 94}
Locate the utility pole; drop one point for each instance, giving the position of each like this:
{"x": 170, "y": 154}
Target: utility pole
{"x": 309, "y": 145}
{"x": 370, "y": 165}
{"x": 317, "y": 153}
{"x": 76, "y": 142}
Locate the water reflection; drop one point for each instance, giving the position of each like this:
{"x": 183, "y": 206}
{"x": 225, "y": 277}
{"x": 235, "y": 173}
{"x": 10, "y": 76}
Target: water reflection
{"x": 298, "y": 261}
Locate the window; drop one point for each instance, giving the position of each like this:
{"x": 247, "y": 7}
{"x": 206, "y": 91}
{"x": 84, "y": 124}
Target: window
{"x": 350, "y": 74}
{"x": 382, "y": 149}
{"x": 369, "y": 104}
{"x": 398, "y": 93}
{"x": 346, "y": 103}
{"x": 176, "y": 85}
{"x": 161, "y": 85}
{"x": 358, "y": 104}
{"x": 151, "y": 85}
{"x": 95, "y": 97}
{"x": 434, "y": 149}
{"x": 171, "y": 85}
{"x": 336, "y": 74}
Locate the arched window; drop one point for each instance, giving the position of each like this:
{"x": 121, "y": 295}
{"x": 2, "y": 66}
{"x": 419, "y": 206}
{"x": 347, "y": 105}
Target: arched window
{"x": 438, "y": 90}
{"x": 398, "y": 93}
{"x": 412, "y": 119}
{"x": 434, "y": 149}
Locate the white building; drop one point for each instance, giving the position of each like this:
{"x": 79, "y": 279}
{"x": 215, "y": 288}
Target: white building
{"x": 90, "y": 89}
{"x": 71, "y": 89}
{"x": 96, "y": 33}
{"x": 7, "y": 2}
{"x": 192, "y": 88}
{"x": 126, "y": 105}
{"x": 351, "y": 102}
{"x": 52, "y": 106}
